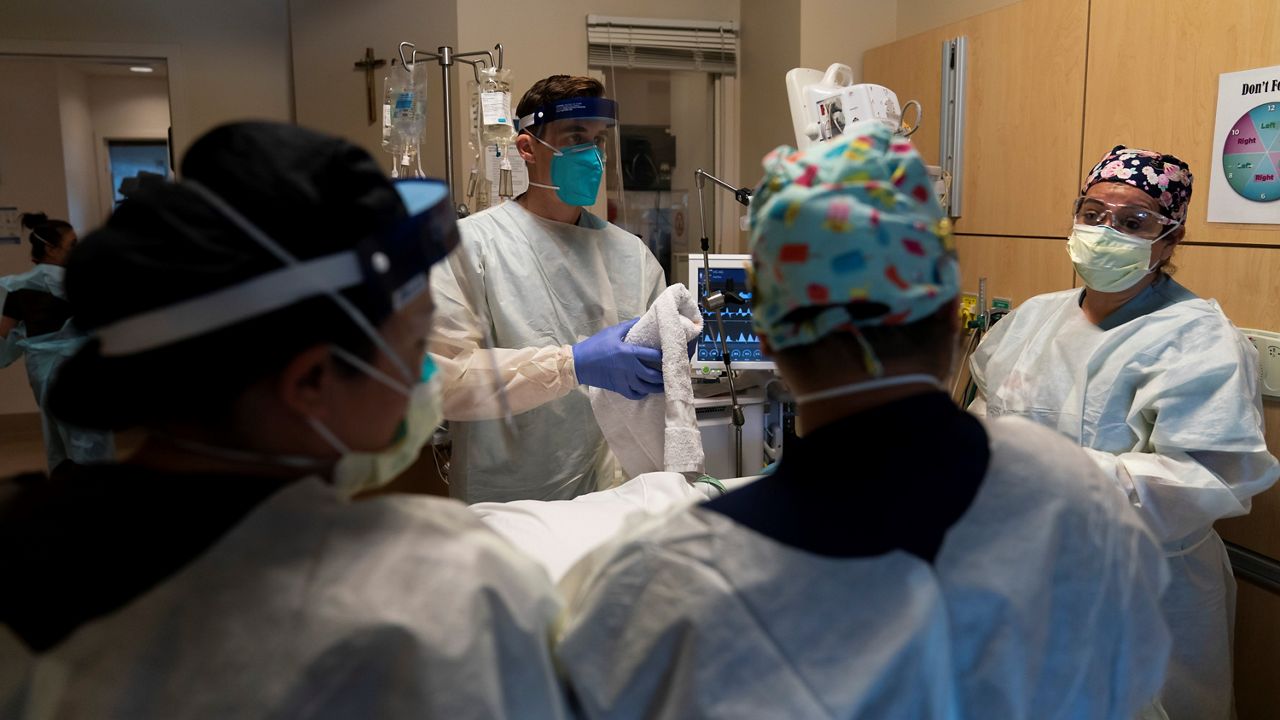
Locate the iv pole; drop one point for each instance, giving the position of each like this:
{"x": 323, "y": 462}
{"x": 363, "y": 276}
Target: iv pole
{"x": 715, "y": 302}
{"x": 446, "y": 57}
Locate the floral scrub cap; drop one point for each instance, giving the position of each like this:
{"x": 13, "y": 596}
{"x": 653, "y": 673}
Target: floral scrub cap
{"x": 848, "y": 234}
{"x": 1164, "y": 177}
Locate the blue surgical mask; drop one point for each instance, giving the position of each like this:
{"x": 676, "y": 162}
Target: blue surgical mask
{"x": 575, "y": 173}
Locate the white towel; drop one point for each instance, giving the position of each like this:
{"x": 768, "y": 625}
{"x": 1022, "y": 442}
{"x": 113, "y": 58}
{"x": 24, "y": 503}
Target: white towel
{"x": 659, "y": 432}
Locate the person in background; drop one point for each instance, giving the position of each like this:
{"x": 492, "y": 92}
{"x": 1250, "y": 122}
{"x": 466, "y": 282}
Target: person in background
{"x": 264, "y": 321}
{"x": 905, "y": 559}
{"x": 35, "y": 322}
{"x": 556, "y": 288}
{"x": 1159, "y": 388}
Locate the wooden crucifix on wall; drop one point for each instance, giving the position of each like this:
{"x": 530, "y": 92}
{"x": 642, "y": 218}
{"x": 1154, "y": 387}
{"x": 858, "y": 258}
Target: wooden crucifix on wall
{"x": 368, "y": 64}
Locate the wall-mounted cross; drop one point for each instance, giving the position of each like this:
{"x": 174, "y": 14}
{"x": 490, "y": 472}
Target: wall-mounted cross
{"x": 368, "y": 64}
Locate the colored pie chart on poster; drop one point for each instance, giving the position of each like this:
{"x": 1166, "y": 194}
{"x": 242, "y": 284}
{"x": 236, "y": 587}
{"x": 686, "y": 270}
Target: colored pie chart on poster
{"x": 1251, "y": 155}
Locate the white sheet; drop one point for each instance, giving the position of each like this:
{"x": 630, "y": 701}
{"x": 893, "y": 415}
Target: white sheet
{"x": 557, "y": 533}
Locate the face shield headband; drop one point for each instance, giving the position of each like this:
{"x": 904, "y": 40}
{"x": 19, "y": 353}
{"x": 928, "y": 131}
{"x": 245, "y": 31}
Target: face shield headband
{"x": 581, "y": 108}
{"x": 394, "y": 264}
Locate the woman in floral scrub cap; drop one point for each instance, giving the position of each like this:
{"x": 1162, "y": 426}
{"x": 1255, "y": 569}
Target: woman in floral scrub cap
{"x": 1159, "y": 388}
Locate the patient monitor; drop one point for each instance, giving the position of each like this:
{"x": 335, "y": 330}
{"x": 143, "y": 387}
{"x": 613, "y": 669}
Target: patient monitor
{"x": 825, "y": 104}
{"x": 728, "y": 274}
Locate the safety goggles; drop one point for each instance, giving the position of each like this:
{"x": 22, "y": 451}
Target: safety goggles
{"x": 392, "y": 264}
{"x": 1131, "y": 219}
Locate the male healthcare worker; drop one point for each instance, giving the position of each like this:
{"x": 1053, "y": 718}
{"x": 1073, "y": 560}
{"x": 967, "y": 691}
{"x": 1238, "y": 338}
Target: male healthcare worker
{"x": 557, "y": 287}
{"x": 905, "y": 560}
{"x": 1159, "y": 388}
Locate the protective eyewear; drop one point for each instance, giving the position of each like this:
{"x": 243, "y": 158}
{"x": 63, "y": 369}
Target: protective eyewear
{"x": 1131, "y": 219}
{"x": 576, "y": 143}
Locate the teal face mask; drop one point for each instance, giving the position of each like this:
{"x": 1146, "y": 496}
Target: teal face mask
{"x": 575, "y": 173}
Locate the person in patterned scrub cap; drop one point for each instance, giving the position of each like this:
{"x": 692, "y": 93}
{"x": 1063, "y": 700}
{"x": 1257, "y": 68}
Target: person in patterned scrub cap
{"x": 905, "y": 559}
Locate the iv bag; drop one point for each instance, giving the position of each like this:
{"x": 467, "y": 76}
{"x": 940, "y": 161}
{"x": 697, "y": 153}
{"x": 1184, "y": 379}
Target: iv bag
{"x": 404, "y": 107}
{"x": 497, "y": 127}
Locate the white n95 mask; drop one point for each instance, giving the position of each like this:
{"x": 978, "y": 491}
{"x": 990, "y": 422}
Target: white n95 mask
{"x": 357, "y": 472}
{"x": 1108, "y": 260}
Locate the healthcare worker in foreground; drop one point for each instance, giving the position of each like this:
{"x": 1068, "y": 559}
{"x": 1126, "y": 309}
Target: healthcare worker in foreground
{"x": 1159, "y": 388}
{"x": 264, "y": 321}
{"x": 35, "y": 321}
{"x": 905, "y": 560}
{"x": 557, "y": 288}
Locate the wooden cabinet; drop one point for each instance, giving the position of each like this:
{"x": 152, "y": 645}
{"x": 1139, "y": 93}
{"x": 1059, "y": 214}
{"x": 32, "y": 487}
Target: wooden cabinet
{"x": 1246, "y": 283}
{"x": 1035, "y": 124}
{"x": 1015, "y": 267}
{"x": 1153, "y": 83}
{"x": 1257, "y": 637}
{"x": 1024, "y": 102}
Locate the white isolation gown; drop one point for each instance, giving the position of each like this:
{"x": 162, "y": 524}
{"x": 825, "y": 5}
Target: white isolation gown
{"x": 314, "y": 607}
{"x": 1042, "y": 600}
{"x": 539, "y": 287}
{"x": 1164, "y": 397}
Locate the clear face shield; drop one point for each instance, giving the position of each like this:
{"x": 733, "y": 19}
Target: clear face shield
{"x": 394, "y": 266}
{"x": 576, "y": 131}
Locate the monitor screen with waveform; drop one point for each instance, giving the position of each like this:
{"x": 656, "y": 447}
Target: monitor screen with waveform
{"x": 729, "y": 274}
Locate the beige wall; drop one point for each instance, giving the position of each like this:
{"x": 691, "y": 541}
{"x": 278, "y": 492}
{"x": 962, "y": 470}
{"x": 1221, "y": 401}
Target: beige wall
{"x": 779, "y": 36}
{"x": 646, "y": 95}
{"x": 770, "y": 47}
{"x": 546, "y": 38}
{"x": 540, "y": 39}
{"x": 128, "y": 106}
{"x": 234, "y": 64}
{"x": 32, "y": 177}
{"x": 52, "y": 159}
{"x": 916, "y": 16}
{"x": 841, "y": 31}
{"x": 234, "y": 53}
{"x": 124, "y": 108}
{"x": 328, "y": 36}
{"x": 78, "y": 157}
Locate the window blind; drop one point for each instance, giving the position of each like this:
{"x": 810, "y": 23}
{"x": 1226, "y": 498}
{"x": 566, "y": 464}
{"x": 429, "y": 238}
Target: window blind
{"x": 623, "y": 42}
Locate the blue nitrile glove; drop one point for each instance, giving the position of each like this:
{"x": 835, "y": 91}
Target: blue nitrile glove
{"x": 606, "y": 361}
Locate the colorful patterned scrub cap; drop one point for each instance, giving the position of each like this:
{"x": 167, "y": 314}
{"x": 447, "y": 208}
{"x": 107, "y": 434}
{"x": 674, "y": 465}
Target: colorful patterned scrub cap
{"x": 848, "y": 234}
{"x": 1164, "y": 177}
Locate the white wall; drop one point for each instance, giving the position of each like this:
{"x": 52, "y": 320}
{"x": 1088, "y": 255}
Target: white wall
{"x": 32, "y": 178}
{"x": 78, "y": 157}
{"x": 234, "y": 54}
{"x": 917, "y": 16}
